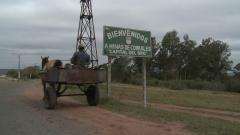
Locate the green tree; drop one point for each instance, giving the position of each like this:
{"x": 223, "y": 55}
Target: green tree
{"x": 12, "y": 73}
{"x": 121, "y": 69}
{"x": 186, "y": 49}
{"x": 210, "y": 60}
{"x": 33, "y": 70}
{"x": 168, "y": 55}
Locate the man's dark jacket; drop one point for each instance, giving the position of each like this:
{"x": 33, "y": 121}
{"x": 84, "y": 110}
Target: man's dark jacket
{"x": 80, "y": 58}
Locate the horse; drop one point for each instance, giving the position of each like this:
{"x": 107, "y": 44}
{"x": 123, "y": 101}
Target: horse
{"x": 48, "y": 64}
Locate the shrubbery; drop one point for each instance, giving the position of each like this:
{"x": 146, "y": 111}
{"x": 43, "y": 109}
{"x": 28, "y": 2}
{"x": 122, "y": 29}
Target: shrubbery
{"x": 189, "y": 84}
{"x": 232, "y": 85}
{"x": 12, "y": 73}
{"x": 25, "y": 73}
{"x": 33, "y": 70}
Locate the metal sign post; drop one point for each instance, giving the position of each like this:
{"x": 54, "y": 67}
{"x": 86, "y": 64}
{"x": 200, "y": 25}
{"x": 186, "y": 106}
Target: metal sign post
{"x": 144, "y": 83}
{"x": 19, "y": 67}
{"x": 109, "y": 76}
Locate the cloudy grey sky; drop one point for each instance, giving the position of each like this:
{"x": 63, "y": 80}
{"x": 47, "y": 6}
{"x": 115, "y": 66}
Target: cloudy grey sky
{"x": 49, "y": 27}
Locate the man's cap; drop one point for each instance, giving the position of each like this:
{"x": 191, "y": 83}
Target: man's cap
{"x": 81, "y": 46}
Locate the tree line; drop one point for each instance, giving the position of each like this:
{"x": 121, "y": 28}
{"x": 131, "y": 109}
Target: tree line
{"x": 26, "y": 73}
{"x": 178, "y": 59}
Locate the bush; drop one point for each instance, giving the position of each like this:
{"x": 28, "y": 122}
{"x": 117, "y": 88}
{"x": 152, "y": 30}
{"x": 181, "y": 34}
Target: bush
{"x": 181, "y": 85}
{"x": 33, "y": 70}
{"x": 172, "y": 84}
{"x": 232, "y": 85}
{"x": 153, "y": 82}
{"x": 12, "y": 73}
{"x": 204, "y": 85}
{"x": 177, "y": 85}
{"x": 136, "y": 81}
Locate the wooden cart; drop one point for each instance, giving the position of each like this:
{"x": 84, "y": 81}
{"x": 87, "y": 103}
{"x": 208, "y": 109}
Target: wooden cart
{"x": 57, "y": 80}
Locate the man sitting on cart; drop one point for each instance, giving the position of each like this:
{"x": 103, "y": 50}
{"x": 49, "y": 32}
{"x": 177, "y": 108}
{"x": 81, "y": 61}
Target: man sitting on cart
{"x": 80, "y": 58}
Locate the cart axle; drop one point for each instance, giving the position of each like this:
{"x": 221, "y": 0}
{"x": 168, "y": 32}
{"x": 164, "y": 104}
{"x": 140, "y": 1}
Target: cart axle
{"x": 71, "y": 95}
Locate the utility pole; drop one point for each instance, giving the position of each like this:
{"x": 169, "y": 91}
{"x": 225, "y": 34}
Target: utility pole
{"x": 19, "y": 66}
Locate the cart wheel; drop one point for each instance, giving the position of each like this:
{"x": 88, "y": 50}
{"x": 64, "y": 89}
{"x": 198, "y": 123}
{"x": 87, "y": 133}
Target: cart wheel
{"x": 92, "y": 95}
{"x": 50, "y": 98}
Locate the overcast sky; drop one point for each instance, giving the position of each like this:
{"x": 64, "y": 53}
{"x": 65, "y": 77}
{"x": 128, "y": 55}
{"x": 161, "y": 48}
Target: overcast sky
{"x": 49, "y": 27}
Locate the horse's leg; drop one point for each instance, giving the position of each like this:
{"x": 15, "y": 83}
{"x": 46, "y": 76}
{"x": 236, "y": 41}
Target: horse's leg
{"x": 59, "y": 89}
{"x": 44, "y": 89}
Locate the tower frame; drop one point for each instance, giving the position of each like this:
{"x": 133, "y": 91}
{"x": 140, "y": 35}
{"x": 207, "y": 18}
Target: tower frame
{"x": 86, "y": 32}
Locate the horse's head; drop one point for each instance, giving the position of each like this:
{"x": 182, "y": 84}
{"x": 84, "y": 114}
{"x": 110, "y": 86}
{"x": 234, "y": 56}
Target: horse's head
{"x": 44, "y": 61}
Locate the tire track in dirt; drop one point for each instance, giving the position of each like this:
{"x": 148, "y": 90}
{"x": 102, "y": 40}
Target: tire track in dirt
{"x": 224, "y": 115}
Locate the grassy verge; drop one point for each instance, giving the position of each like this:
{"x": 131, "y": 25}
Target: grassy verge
{"x": 197, "y": 124}
{"x": 193, "y": 98}
{"x": 219, "y": 100}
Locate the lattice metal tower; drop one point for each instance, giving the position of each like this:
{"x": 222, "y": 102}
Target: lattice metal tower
{"x": 86, "y": 32}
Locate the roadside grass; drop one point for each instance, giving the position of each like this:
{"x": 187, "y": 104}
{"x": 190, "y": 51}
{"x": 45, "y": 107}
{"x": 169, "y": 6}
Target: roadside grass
{"x": 196, "y": 124}
{"x": 218, "y": 100}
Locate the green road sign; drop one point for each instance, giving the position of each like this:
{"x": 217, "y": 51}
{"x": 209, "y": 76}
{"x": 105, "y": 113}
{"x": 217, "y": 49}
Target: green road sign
{"x": 126, "y": 42}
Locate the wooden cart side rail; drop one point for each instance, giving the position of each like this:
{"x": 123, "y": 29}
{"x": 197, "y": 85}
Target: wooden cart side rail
{"x": 73, "y": 76}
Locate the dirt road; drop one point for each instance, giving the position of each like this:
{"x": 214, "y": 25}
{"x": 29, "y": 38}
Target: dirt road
{"x": 22, "y": 113}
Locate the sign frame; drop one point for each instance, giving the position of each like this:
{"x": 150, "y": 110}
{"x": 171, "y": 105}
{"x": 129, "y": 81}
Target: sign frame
{"x": 132, "y": 44}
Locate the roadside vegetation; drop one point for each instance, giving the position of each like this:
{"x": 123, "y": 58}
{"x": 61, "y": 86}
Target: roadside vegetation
{"x": 183, "y": 74}
{"x": 219, "y": 100}
{"x": 31, "y": 72}
{"x": 180, "y": 73}
{"x": 196, "y": 124}
{"x": 128, "y": 100}
{"x": 182, "y": 64}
